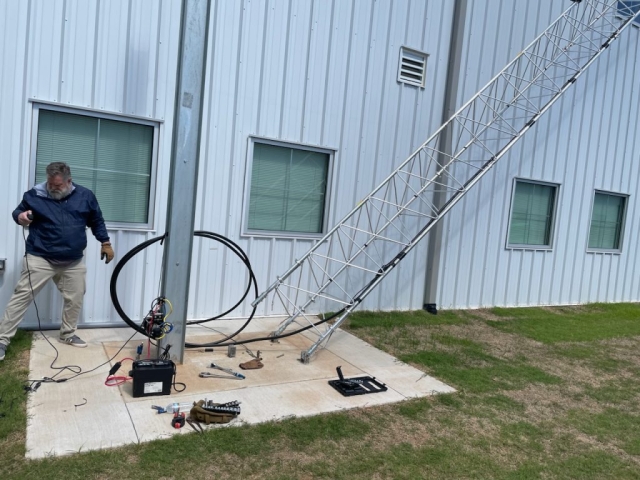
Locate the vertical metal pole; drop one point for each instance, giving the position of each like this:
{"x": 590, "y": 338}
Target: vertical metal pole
{"x": 185, "y": 150}
{"x": 439, "y": 196}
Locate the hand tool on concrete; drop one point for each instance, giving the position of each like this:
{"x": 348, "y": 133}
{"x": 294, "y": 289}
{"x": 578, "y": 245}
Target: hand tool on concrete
{"x": 228, "y": 370}
{"x": 213, "y": 375}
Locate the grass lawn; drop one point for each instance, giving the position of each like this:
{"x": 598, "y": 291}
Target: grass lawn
{"x": 542, "y": 393}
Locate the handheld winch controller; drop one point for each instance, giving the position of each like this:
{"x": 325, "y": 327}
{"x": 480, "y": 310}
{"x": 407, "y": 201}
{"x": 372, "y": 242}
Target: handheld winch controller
{"x": 152, "y": 377}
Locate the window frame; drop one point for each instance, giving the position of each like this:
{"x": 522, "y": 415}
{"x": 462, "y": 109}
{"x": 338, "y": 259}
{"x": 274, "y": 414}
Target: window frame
{"x": 554, "y": 214}
{"x": 245, "y": 230}
{"x": 38, "y": 105}
{"x": 623, "y": 222}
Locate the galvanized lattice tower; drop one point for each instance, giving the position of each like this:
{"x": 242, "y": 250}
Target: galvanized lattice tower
{"x": 353, "y": 258}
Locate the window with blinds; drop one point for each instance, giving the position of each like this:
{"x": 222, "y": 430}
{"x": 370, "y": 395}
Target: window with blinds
{"x": 113, "y": 158}
{"x": 288, "y": 189}
{"x": 607, "y": 220}
{"x": 532, "y": 214}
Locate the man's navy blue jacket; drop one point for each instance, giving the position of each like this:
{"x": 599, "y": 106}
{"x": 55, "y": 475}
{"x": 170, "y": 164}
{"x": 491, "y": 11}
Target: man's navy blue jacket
{"x": 58, "y": 228}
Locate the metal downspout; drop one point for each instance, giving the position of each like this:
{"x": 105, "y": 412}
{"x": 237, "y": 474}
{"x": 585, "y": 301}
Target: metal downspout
{"x": 434, "y": 248}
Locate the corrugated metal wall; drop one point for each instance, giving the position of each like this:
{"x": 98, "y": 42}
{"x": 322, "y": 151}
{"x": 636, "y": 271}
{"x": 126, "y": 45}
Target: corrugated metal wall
{"x": 322, "y": 73}
{"x": 319, "y": 72}
{"x": 114, "y": 56}
{"x": 587, "y": 141}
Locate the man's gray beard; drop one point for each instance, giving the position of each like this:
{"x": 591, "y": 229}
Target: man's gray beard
{"x": 58, "y": 194}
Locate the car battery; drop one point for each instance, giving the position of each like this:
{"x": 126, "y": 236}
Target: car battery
{"x": 152, "y": 377}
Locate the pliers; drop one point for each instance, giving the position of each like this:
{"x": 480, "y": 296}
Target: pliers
{"x": 194, "y": 424}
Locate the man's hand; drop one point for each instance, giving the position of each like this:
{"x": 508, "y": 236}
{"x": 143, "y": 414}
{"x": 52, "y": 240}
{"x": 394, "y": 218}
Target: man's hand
{"x": 106, "y": 251}
{"x": 23, "y": 218}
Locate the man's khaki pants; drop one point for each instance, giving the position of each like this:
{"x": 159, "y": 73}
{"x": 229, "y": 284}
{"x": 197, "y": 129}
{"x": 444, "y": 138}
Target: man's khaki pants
{"x": 36, "y": 272}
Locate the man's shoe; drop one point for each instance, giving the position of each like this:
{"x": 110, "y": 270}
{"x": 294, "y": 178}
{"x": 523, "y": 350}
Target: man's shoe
{"x": 74, "y": 341}
{"x": 3, "y": 349}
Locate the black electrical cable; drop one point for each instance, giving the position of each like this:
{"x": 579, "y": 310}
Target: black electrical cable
{"x": 211, "y": 235}
{"x": 235, "y": 248}
{"x": 252, "y": 281}
{"x": 165, "y": 356}
{"x": 114, "y": 278}
{"x": 271, "y": 337}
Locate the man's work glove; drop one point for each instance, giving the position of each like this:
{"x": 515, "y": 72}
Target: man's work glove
{"x": 106, "y": 251}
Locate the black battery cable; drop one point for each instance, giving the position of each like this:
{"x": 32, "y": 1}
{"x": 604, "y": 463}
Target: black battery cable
{"x": 252, "y": 282}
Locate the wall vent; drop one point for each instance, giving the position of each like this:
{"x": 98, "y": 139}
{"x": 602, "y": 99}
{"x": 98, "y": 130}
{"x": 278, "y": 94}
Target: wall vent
{"x": 413, "y": 67}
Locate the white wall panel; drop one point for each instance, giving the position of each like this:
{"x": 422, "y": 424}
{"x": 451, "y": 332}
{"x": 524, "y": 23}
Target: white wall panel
{"x": 316, "y": 72}
{"x": 79, "y": 40}
{"x": 111, "y": 55}
{"x": 142, "y": 56}
{"x": 14, "y": 61}
{"x": 584, "y": 142}
{"x": 117, "y": 56}
{"x": 322, "y": 73}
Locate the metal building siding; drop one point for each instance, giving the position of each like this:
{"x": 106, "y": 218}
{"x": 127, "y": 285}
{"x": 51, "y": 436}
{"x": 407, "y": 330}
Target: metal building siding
{"x": 117, "y": 56}
{"x": 321, "y": 73}
{"x": 12, "y": 134}
{"x": 586, "y": 141}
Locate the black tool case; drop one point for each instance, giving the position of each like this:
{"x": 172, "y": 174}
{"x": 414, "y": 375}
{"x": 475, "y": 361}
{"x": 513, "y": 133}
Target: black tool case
{"x": 356, "y": 385}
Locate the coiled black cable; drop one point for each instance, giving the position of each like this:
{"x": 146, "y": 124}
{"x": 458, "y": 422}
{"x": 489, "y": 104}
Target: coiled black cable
{"x": 114, "y": 280}
{"x": 228, "y": 340}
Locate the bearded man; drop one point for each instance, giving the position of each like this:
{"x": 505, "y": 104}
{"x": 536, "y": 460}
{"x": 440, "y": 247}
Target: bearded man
{"x": 57, "y": 213}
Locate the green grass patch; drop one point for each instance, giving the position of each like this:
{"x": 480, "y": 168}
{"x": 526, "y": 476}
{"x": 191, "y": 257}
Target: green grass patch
{"x": 494, "y": 407}
{"x": 451, "y": 400}
{"x": 578, "y": 351}
{"x": 501, "y": 403}
{"x": 20, "y": 343}
{"x": 588, "y": 323}
{"x": 591, "y": 465}
{"x": 471, "y": 352}
{"x": 617, "y": 392}
{"x": 13, "y": 377}
{"x": 490, "y": 428}
{"x": 608, "y": 364}
{"x": 523, "y": 435}
{"x": 12, "y": 414}
{"x": 13, "y": 399}
{"x": 414, "y": 409}
{"x": 610, "y": 425}
{"x": 408, "y": 462}
{"x": 367, "y": 319}
{"x": 469, "y": 367}
{"x": 248, "y": 441}
{"x": 593, "y": 355}
{"x": 499, "y": 375}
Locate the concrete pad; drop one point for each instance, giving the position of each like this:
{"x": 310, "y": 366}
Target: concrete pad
{"x": 84, "y": 414}
{"x": 77, "y": 415}
{"x": 93, "y": 426}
